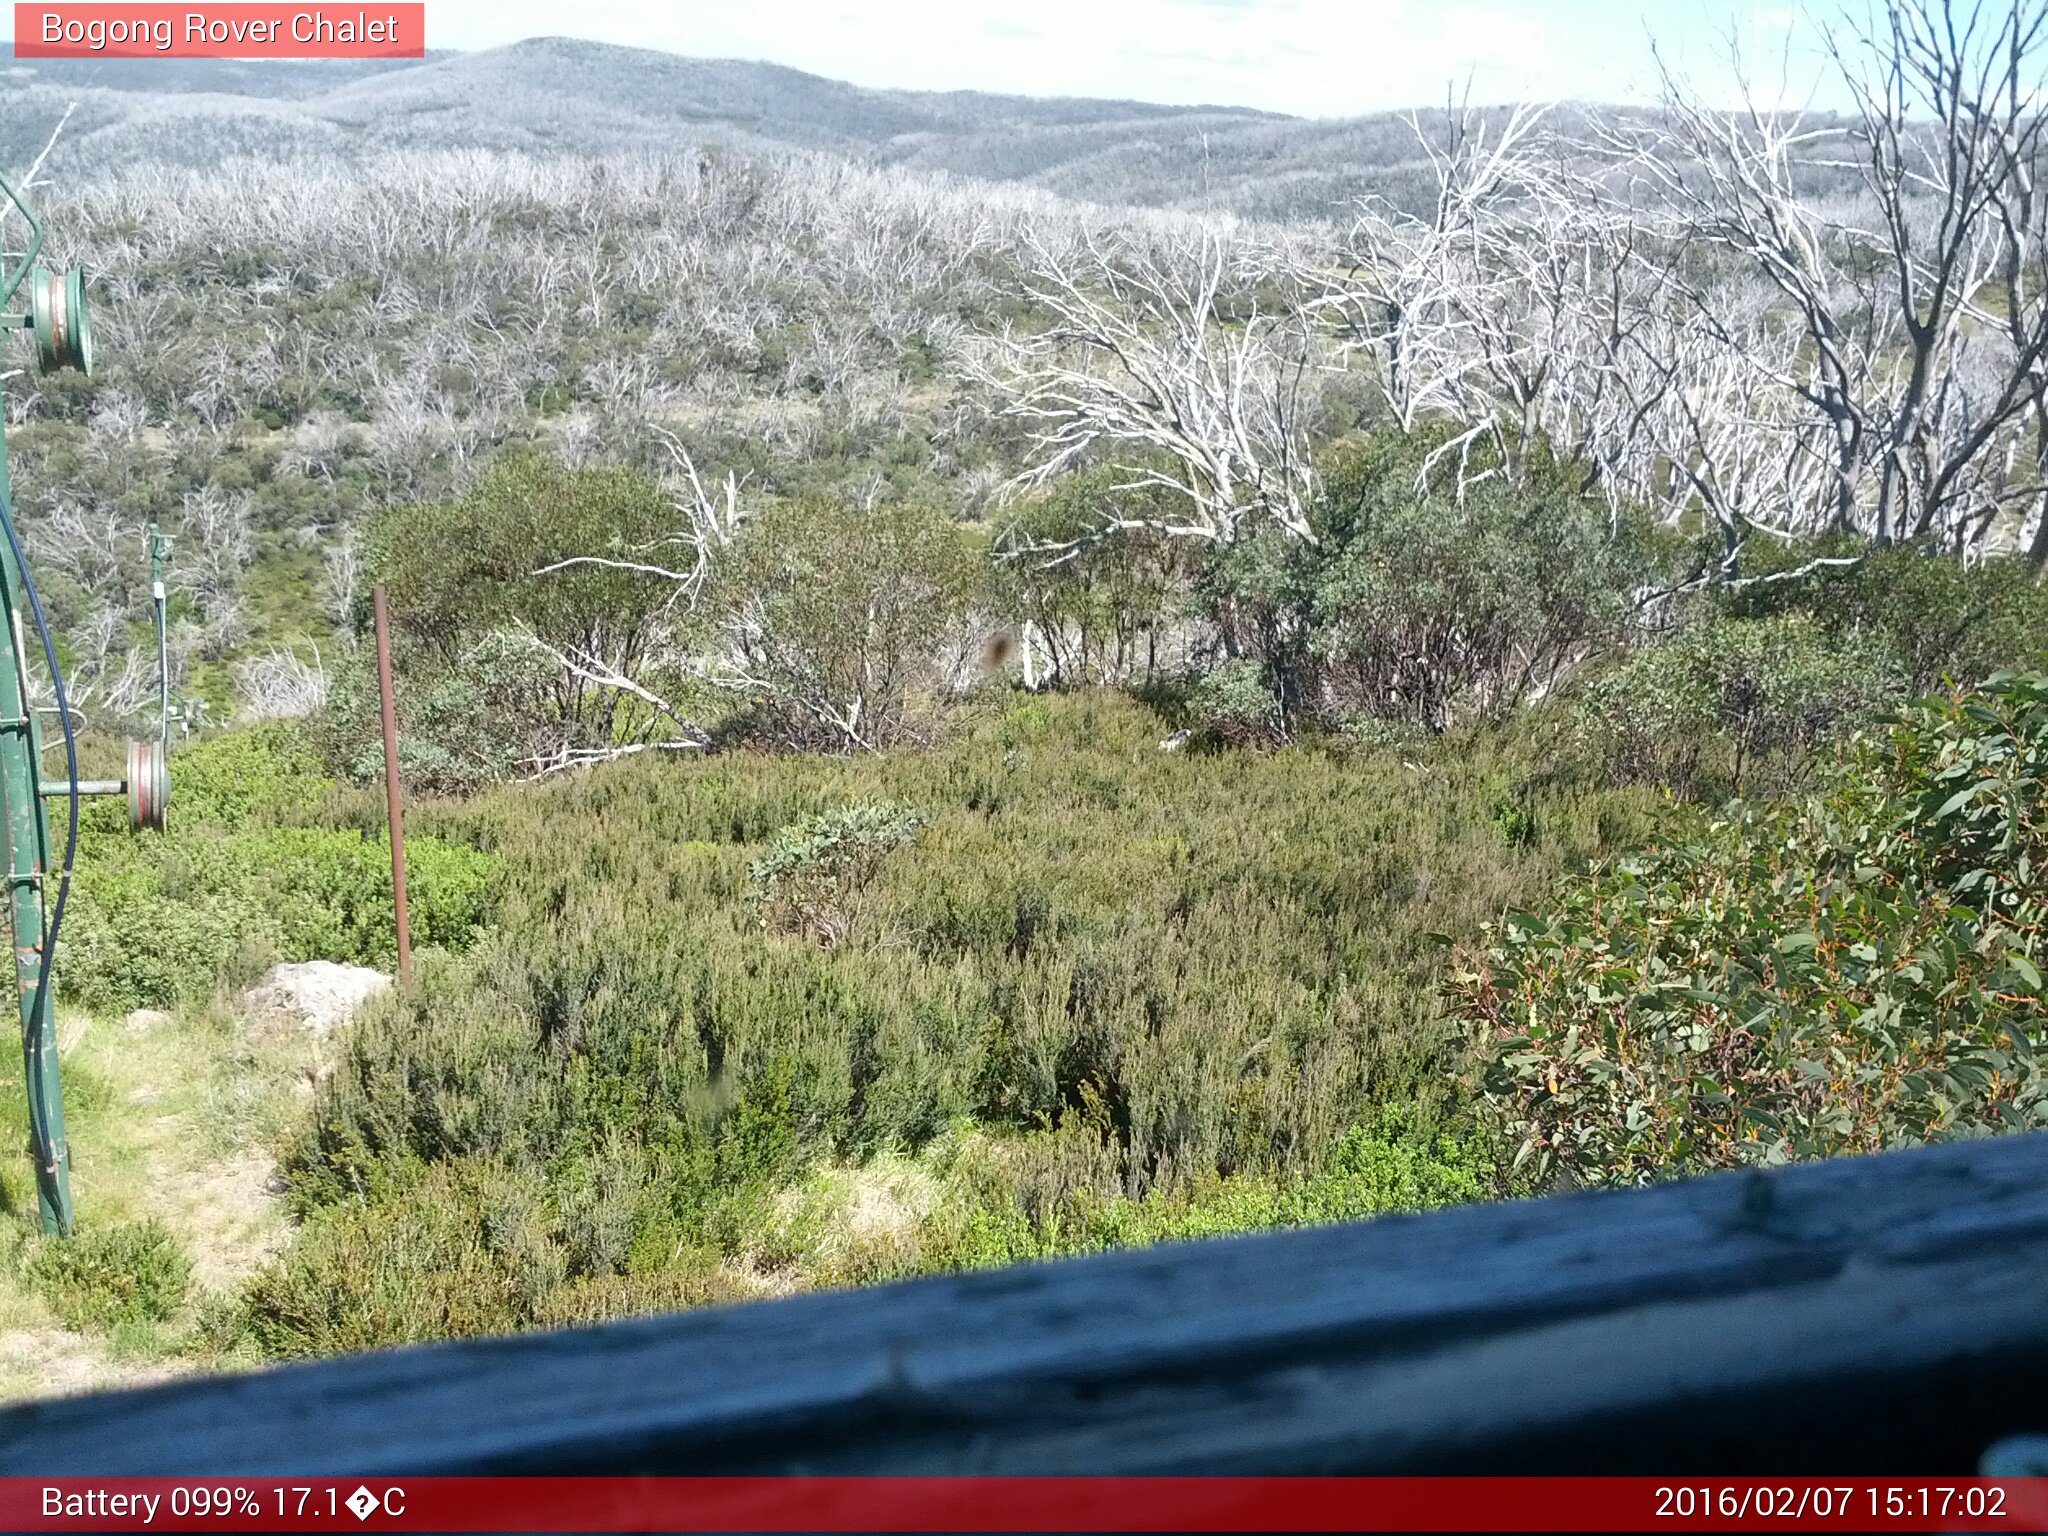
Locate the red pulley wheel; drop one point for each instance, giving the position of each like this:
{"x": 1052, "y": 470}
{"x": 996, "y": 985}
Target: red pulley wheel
{"x": 149, "y": 787}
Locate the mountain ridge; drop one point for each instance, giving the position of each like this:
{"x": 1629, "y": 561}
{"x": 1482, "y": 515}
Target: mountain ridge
{"x": 562, "y": 95}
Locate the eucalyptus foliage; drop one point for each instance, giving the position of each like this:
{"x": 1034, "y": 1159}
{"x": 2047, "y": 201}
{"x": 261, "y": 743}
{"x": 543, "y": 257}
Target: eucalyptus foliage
{"x": 1426, "y": 602}
{"x": 1851, "y": 972}
{"x": 844, "y": 623}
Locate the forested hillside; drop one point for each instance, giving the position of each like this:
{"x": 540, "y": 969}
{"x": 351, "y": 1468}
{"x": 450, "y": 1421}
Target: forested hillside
{"x": 949, "y": 721}
{"x": 562, "y": 96}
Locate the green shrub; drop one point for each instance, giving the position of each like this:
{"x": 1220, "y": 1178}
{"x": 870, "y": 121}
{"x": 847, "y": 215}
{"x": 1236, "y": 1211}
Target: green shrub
{"x": 234, "y": 780}
{"x": 107, "y": 1276}
{"x": 440, "y": 1263}
{"x": 137, "y": 936}
{"x": 807, "y": 880}
{"x": 458, "y": 1250}
{"x": 474, "y": 722}
{"x": 1424, "y": 604}
{"x": 1102, "y": 607}
{"x": 1235, "y": 705}
{"x": 1134, "y": 973}
{"x": 1513, "y": 818}
{"x": 160, "y": 922}
{"x": 1942, "y": 620}
{"x": 994, "y": 1211}
{"x": 1851, "y": 973}
{"x": 851, "y": 621}
{"x": 1735, "y": 704}
{"x": 594, "y": 1299}
{"x": 456, "y": 570}
{"x": 478, "y": 589}
{"x": 162, "y": 919}
{"x": 1394, "y": 1165}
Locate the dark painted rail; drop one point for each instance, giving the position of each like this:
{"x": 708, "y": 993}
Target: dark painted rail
{"x": 1881, "y": 1315}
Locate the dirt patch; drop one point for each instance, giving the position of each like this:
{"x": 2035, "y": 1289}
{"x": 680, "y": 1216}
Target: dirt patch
{"x": 182, "y": 1133}
{"x": 230, "y": 1214}
{"x": 55, "y": 1362}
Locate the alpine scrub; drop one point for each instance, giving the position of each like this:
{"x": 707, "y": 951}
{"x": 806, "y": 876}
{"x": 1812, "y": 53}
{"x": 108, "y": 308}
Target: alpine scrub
{"x": 243, "y": 881}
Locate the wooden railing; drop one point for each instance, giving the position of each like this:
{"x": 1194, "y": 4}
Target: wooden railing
{"x": 1878, "y": 1315}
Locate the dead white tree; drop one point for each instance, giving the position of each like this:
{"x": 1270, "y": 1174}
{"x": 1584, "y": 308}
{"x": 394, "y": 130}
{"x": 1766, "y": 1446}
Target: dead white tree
{"x": 1516, "y": 307}
{"x": 341, "y": 576}
{"x": 1947, "y": 110}
{"x": 215, "y": 543}
{"x": 110, "y": 677}
{"x": 1919, "y": 326}
{"x": 280, "y": 684}
{"x": 12, "y": 227}
{"x": 1423, "y": 298}
{"x": 1165, "y": 358}
{"x": 662, "y": 645}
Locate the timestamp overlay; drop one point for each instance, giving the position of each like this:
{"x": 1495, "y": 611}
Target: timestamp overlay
{"x": 1022, "y": 1504}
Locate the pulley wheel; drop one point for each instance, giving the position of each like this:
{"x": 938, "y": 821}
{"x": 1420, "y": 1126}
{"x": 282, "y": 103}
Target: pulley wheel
{"x": 57, "y": 314}
{"x": 149, "y": 787}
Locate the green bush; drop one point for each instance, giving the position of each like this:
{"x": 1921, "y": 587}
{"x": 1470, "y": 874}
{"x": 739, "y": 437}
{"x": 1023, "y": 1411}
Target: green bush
{"x": 475, "y": 722}
{"x": 1734, "y": 705}
{"x": 1850, "y": 973}
{"x": 852, "y": 621}
{"x": 995, "y": 1212}
{"x": 162, "y": 922}
{"x": 1942, "y": 620}
{"x": 456, "y": 570}
{"x": 1103, "y": 607}
{"x": 1132, "y": 973}
{"x": 1234, "y": 705}
{"x": 472, "y": 585}
{"x": 591, "y": 1299}
{"x": 1425, "y": 605}
{"x": 107, "y": 1276}
{"x": 162, "y": 919}
{"x": 807, "y": 880}
{"x": 231, "y": 781}
{"x": 458, "y": 1250}
{"x": 446, "y": 1262}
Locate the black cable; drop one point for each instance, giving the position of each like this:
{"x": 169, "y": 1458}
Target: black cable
{"x": 46, "y": 1005}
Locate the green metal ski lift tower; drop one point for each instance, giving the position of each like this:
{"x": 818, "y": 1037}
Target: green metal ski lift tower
{"x": 61, "y": 334}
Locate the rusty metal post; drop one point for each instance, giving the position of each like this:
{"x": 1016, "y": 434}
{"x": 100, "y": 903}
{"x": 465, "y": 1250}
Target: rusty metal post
{"x": 393, "y": 807}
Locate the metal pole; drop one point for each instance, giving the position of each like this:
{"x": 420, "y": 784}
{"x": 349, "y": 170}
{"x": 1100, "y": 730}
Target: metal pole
{"x": 28, "y": 862}
{"x": 393, "y": 808}
{"x": 159, "y": 546}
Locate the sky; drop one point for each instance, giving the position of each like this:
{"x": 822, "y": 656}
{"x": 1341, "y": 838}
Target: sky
{"x": 1313, "y": 58}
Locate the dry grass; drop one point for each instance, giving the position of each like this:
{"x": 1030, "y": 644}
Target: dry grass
{"x": 175, "y": 1122}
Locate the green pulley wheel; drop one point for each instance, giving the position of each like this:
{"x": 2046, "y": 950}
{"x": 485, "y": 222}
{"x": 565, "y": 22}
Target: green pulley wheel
{"x": 149, "y": 787}
{"x": 58, "y": 316}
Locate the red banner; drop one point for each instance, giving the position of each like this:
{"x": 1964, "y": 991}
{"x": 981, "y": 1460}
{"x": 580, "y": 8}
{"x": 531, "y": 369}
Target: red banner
{"x": 233, "y": 31}
{"x": 1023, "y": 1504}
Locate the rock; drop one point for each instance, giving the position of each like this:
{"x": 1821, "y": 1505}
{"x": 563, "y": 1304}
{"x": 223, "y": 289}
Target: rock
{"x": 144, "y": 1021}
{"x": 317, "y": 994}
